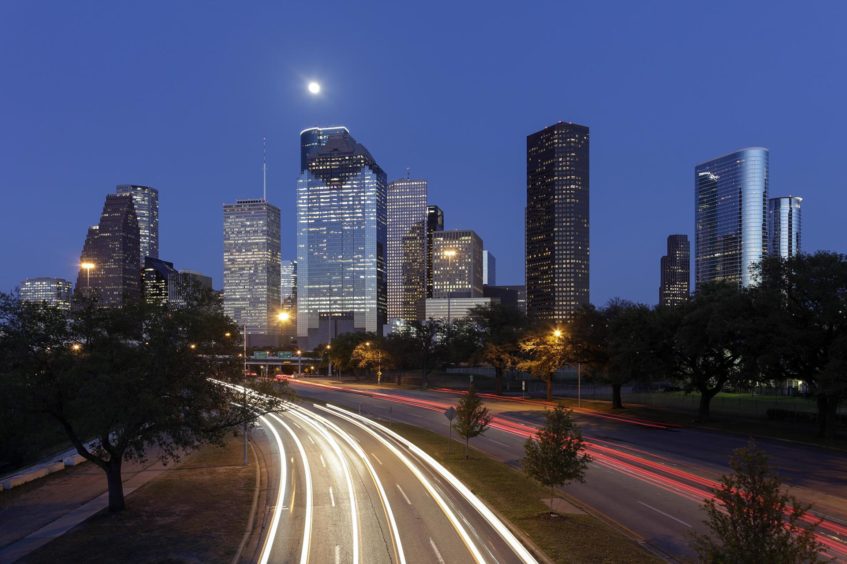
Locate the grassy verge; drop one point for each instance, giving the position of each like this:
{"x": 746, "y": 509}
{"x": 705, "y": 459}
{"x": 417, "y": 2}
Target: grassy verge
{"x": 567, "y": 538}
{"x": 196, "y": 512}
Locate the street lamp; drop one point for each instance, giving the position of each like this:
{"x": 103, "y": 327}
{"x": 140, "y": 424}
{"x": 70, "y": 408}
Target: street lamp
{"x": 328, "y": 362}
{"x": 76, "y": 347}
{"x": 557, "y": 333}
{"x": 87, "y": 266}
{"x": 299, "y": 359}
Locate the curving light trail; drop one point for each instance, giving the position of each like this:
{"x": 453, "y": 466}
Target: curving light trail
{"x": 307, "y": 527}
{"x": 508, "y": 537}
{"x": 280, "y": 495}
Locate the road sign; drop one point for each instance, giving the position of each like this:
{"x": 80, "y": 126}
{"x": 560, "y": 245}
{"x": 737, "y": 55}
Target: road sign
{"x": 450, "y": 413}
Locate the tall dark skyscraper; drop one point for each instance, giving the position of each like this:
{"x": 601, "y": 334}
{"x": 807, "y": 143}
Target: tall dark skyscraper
{"x": 341, "y": 238}
{"x": 434, "y": 224}
{"x": 731, "y": 193}
{"x": 675, "y": 272}
{"x": 407, "y": 247}
{"x": 159, "y": 281}
{"x": 146, "y": 201}
{"x": 110, "y": 263}
{"x": 784, "y": 226}
{"x": 557, "y": 221}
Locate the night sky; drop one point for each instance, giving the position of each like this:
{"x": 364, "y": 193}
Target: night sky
{"x": 178, "y": 95}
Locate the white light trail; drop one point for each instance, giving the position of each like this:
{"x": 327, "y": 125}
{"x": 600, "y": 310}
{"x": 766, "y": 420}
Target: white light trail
{"x": 280, "y": 496}
{"x": 307, "y": 527}
{"x": 354, "y": 509}
{"x": 354, "y": 444}
{"x": 448, "y": 512}
{"x": 504, "y": 532}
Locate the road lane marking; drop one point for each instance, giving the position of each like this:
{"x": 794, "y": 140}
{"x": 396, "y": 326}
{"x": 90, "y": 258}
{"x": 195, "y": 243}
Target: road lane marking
{"x": 280, "y": 496}
{"x": 307, "y": 472}
{"x": 331, "y": 497}
{"x": 404, "y": 494}
{"x": 311, "y": 440}
{"x": 435, "y": 550}
{"x": 519, "y": 549}
{"x": 377, "y": 458}
{"x": 495, "y": 441}
{"x": 323, "y": 462}
{"x": 338, "y": 554}
{"x": 660, "y": 512}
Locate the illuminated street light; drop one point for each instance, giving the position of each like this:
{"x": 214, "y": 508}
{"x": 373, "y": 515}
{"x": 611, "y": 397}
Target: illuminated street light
{"x": 192, "y": 346}
{"x": 557, "y": 333}
{"x": 76, "y": 347}
{"x": 283, "y": 316}
{"x": 87, "y": 266}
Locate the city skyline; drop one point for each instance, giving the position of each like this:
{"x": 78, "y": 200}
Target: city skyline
{"x": 642, "y": 148}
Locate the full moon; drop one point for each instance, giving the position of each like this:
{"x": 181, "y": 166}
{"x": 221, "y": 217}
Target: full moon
{"x": 314, "y": 88}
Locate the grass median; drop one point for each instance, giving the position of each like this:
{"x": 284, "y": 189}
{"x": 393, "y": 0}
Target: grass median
{"x": 563, "y": 538}
{"x": 195, "y": 512}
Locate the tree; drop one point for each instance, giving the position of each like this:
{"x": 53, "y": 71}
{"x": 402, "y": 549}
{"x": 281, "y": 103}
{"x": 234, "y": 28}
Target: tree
{"x": 548, "y": 352}
{"x": 371, "y": 356}
{"x": 710, "y": 341}
{"x": 500, "y": 327}
{"x": 342, "y": 347}
{"x": 556, "y": 455}
{"x": 802, "y": 305}
{"x": 472, "y": 417}
{"x": 752, "y": 520}
{"x": 120, "y": 381}
{"x": 427, "y": 345}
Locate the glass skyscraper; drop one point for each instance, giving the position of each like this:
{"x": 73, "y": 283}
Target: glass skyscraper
{"x": 52, "y": 291}
{"x": 407, "y": 247}
{"x": 341, "y": 238}
{"x": 557, "y": 221}
{"x": 252, "y": 266}
{"x": 675, "y": 272}
{"x": 731, "y": 195}
{"x": 784, "y": 226}
{"x": 110, "y": 264}
{"x": 146, "y": 201}
{"x": 489, "y": 268}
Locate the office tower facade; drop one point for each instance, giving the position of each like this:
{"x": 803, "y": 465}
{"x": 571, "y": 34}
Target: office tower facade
{"x": 407, "y": 247}
{"x": 312, "y": 139}
{"x": 189, "y": 283}
{"x": 111, "y": 251}
{"x": 252, "y": 266}
{"x": 288, "y": 283}
{"x": 434, "y": 224}
{"x": 159, "y": 281}
{"x": 489, "y": 269}
{"x": 146, "y": 202}
{"x": 453, "y": 309}
{"x": 55, "y": 292}
{"x": 675, "y": 272}
{"x": 511, "y": 296}
{"x": 341, "y": 239}
{"x": 731, "y": 194}
{"x": 456, "y": 264}
{"x": 784, "y": 226}
{"x": 557, "y": 222}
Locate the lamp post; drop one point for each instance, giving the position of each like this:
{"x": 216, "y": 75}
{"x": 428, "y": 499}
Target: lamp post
{"x": 328, "y": 362}
{"x": 87, "y": 266}
{"x": 244, "y": 387}
{"x": 299, "y": 360}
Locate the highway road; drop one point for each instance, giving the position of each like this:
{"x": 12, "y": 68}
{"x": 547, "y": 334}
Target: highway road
{"x": 651, "y": 479}
{"x": 345, "y": 489}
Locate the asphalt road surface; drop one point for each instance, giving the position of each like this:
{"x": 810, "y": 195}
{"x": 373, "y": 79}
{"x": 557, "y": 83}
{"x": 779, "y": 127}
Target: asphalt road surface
{"x": 651, "y": 479}
{"x": 348, "y": 490}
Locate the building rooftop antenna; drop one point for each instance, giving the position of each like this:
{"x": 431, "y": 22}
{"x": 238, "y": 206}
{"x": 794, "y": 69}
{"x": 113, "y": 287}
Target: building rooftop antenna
{"x": 265, "y": 168}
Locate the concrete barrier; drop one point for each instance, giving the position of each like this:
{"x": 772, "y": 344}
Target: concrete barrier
{"x": 73, "y": 460}
{"x": 55, "y": 467}
{"x": 24, "y": 478}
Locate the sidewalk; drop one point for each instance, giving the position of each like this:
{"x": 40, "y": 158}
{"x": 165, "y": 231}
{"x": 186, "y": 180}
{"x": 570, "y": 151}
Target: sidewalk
{"x": 37, "y": 513}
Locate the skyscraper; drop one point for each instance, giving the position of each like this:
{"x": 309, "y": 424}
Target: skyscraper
{"x": 434, "y": 224}
{"x": 109, "y": 265}
{"x": 675, "y": 272}
{"x": 288, "y": 283}
{"x": 489, "y": 269}
{"x": 52, "y": 291}
{"x": 731, "y": 195}
{"x": 407, "y": 247}
{"x": 456, "y": 264}
{"x": 341, "y": 238}
{"x": 252, "y": 266}
{"x": 146, "y": 201}
{"x": 557, "y": 221}
{"x": 159, "y": 281}
{"x": 784, "y": 226}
